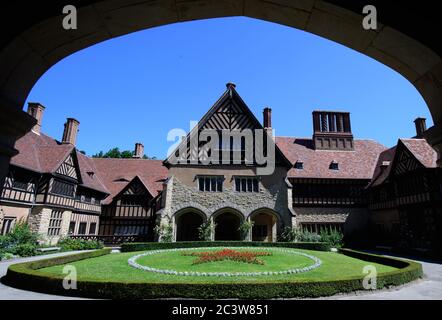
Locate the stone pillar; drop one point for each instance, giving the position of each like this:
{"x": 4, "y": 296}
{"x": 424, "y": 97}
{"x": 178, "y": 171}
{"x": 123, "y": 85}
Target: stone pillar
{"x": 14, "y": 123}
{"x": 434, "y": 138}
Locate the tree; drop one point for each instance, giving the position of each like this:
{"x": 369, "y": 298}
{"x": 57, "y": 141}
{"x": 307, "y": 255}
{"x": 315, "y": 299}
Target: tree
{"x": 116, "y": 153}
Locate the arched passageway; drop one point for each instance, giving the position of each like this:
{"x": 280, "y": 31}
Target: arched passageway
{"x": 187, "y": 226}
{"x": 264, "y": 226}
{"x": 227, "y": 226}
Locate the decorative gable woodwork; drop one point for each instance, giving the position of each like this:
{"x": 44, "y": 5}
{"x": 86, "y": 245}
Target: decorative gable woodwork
{"x": 230, "y": 118}
{"x": 405, "y": 162}
{"x": 68, "y": 168}
{"x": 135, "y": 188}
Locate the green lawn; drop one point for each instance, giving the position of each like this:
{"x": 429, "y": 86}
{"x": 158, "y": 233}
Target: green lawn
{"x": 114, "y": 267}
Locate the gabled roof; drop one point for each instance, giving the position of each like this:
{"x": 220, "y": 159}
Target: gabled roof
{"x": 356, "y": 164}
{"x": 40, "y": 153}
{"x": 422, "y": 151}
{"x": 383, "y": 167}
{"x": 151, "y": 173}
{"x": 43, "y": 154}
{"x": 89, "y": 174}
{"x": 418, "y": 148}
{"x": 220, "y": 116}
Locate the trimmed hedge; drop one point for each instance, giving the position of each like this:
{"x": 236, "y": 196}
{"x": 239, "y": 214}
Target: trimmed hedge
{"x": 144, "y": 246}
{"x": 26, "y": 276}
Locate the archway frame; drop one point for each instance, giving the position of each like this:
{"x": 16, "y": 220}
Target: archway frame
{"x": 273, "y": 214}
{"x": 183, "y": 211}
{"x": 226, "y": 210}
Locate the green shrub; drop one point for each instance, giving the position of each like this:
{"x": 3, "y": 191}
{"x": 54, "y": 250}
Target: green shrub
{"x": 334, "y": 238}
{"x": 68, "y": 244}
{"x": 205, "y": 230}
{"x": 26, "y": 276}
{"x": 164, "y": 231}
{"x": 25, "y": 250}
{"x": 142, "y": 246}
{"x": 245, "y": 228}
{"x": 289, "y": 234}
{"x": 20, "y": 241}
{"x": 306, "y": 236}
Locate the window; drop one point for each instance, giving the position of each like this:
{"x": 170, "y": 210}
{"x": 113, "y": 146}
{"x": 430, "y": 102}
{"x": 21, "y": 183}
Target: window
{"x": 72, "y": 227}
{"x": 55, "y": 223}
{"x": 334, "y": 165}
{"x": 8, "y": 224}
{"x": 82, "y": 228}
{"x": 246, "y": 184}
{"x": 92, "y": 228}
{"x": 62, "y": 188}
{"x": 299, "y": 165}
{"x": 211, "y": 184}
{"x": 21, "y": 185}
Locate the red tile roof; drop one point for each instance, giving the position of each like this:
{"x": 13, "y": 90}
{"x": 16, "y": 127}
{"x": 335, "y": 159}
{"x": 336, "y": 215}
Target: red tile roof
{"x": 89, "y": 173}
{"x": 152, "y": 174}
{"x": 423, "y": 152}
{"x": 40, "y": 153}
{"x": 381, "y": 171}
{"x": 357, "y": 164}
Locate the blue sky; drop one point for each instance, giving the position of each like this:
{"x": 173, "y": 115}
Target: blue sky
{"x": 137, "y": 87}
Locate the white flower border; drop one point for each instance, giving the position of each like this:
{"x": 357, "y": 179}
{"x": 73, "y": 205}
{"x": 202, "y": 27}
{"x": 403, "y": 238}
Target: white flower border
{"x": 132, "y": 262}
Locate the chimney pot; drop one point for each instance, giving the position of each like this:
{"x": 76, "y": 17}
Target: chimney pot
{"x": 36, "y": 110}
{"x": 139, "y": 151}
{"x": 421, "y": 127}
{"x": 70, "y": 131}
{"x": 267, "y": 117}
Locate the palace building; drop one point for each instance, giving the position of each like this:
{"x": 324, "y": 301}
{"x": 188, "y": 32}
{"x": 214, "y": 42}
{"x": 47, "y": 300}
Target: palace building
{"x": 330, "y": 180}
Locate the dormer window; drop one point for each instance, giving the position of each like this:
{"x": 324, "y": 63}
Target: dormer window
{"x": 334, "y": 165}
{"x": 299, "y": 165}
{"x": 385, "y": 164}
{"x": 90, "y": 174}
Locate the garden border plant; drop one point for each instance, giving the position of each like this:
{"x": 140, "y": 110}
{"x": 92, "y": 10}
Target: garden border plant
{"x": 26, "y": 276}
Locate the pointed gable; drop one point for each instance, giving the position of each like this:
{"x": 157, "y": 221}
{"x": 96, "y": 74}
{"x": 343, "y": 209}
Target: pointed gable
{"x": 404, "y": 160}
{"x": 69, "y": 168}
{"x": 229, "y": 113}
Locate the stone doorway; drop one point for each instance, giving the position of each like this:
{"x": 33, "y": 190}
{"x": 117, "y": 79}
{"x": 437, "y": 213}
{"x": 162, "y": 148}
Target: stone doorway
{"x": 227, "y": 227}
{"x": 187, "y": 226}
{"x": 264, "y": 227}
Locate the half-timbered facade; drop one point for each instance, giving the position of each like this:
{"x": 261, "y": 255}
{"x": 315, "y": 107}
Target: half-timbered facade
{"x": 230, "y": 169}
{"x": 405, "y": 198}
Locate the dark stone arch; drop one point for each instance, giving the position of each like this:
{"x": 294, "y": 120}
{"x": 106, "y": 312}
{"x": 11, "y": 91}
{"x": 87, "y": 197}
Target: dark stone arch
{"x": 187, "y": 222}
{"x": 227, "y": 222}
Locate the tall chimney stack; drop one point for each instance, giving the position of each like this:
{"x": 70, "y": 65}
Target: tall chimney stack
{"x": 267, "y": 122}
{"x": 36, "y": 110}
{"x": 332, "y": 130}
{"x": 139, "y": 151}
{"x": 421, "y": 127}
{"x": 70, "y": 131}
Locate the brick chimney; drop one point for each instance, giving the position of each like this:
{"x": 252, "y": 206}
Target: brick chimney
{"x": 421, "y": 127}
{"x": 70, "y": 131}
{"x": 267, "y": 121}
{"x": 36, "y": 110}
{"x": 332, "y": 130}
{"x": 139, "y": 151}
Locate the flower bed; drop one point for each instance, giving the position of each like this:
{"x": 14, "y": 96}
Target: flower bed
{"x": 228, "y": 254}
{"x": 133, "y": 263}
